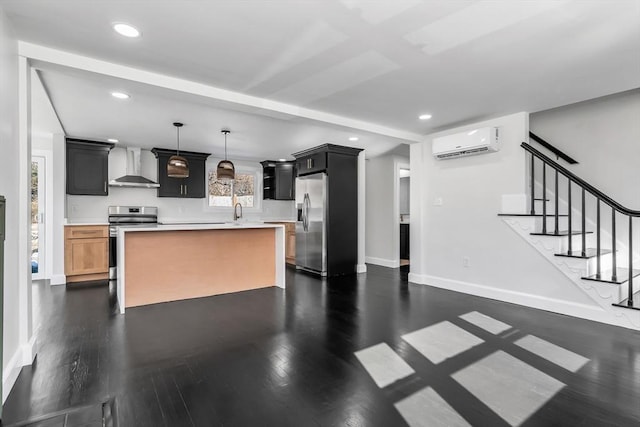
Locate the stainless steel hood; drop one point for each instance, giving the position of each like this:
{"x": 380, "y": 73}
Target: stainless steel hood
{"x": 133, "y": 178}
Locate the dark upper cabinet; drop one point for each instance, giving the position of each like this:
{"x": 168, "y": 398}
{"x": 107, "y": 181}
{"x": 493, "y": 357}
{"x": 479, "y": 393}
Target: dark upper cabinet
{"x": 278, "y": 180}
{"x": 285, "y": 181}
{"x": 87, "y": 167}
{"x": 311, "y": 163}
{"x": 193, "y": 187}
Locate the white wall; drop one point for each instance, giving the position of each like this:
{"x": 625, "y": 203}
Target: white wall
{"x": 9, "y": 177}
{"x": 382, "y": 200}
{"x": 405, "y": 196}
{"x": 603, "y": 135}
{"x": 466, "y": 225}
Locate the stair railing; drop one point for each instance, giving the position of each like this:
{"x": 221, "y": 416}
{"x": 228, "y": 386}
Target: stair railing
{"x": 559, "y": 154}
{"x": 600, "y": 198}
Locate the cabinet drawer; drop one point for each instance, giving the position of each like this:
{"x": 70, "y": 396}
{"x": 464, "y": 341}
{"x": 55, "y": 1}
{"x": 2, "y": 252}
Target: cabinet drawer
{"x": 86, "y": 231}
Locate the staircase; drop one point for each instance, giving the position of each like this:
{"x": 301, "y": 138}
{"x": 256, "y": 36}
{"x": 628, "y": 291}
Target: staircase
{"x": 585, "y": 234}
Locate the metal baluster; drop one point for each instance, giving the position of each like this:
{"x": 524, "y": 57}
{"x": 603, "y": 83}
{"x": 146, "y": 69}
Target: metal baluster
{"x": 584, "y": 233}
{"x": 614, "y": 276}
{"x": 598, "y": 237}
{"x": 544, "y": 198}
{"x": 569, "y": 219}
{"x": 557, "y": 231}
{"x": 533, "y": 184}
{"x": 630, "y": 299}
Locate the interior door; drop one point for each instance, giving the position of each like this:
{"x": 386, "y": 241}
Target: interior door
{"x": 37, "y": 217}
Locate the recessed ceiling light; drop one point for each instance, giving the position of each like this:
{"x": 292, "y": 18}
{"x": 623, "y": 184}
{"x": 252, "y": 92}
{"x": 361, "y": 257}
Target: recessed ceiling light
{"x": 282, "y": 160}
{"x": 120, "y": 95}
{"x": 353, "y": 138}
{"x": 424, "y": 116}
{"x": 126, "y": 30}
{"x": 112, "y": 140}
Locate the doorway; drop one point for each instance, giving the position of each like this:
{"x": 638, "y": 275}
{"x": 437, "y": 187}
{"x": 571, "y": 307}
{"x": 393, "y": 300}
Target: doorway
{"x": 404, "y": 178}
{"x": 38, "y": 174}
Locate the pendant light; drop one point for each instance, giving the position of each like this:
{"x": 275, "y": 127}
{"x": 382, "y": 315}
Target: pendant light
{"x": 178, "y": 167}
{"x": 226, "y": 170}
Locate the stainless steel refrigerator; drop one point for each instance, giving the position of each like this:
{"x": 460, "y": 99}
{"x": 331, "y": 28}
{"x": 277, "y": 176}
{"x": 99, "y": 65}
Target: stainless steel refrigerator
{"x": 311, "y": 227}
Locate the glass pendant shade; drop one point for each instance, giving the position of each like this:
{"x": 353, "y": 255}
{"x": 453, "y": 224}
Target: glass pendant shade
{"x": 226, "y": 170}
{"x": 178, "y": 166}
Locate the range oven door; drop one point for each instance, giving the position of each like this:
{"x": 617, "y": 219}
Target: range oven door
{"x": 113, "y": 255}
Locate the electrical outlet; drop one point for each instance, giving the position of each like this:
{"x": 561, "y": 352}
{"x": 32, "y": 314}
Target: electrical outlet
{"x": 465, "y": 261}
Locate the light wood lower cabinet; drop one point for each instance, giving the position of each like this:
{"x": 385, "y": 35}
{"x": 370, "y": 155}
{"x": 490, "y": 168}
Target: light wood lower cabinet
{"x": 86, "y": 252}
{"x": 290, "y": 241}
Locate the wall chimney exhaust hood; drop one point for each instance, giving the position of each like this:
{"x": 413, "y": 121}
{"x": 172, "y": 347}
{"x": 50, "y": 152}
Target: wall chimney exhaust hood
{"x": 133, "y": 178}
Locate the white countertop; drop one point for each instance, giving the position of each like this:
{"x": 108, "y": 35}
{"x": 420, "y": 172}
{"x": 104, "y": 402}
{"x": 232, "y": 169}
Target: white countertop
{"x": 72, "y": 224}
{"x": 200, "y": 226}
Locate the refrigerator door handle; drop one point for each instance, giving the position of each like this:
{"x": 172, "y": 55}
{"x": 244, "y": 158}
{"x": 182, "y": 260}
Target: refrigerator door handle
{"x": 305, "y": 212}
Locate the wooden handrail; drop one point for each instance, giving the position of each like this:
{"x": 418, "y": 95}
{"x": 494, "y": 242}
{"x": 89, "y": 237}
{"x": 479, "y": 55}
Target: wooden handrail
{"x": 553, "y": 149}
{"x": 590, "y": 188}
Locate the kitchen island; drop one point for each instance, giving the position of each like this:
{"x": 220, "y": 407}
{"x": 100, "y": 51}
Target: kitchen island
{"x": 182, "y": 261}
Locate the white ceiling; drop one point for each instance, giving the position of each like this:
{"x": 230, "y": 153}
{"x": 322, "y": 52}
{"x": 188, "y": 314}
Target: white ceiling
{"x": 87, "y": 109}
{"x": 382, "y": 62}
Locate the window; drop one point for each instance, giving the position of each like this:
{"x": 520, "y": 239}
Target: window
{"x": 228, "y": 193}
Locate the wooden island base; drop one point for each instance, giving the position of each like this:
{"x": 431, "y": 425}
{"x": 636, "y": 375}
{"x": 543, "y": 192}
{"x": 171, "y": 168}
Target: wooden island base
{"x": 170, "y": 265}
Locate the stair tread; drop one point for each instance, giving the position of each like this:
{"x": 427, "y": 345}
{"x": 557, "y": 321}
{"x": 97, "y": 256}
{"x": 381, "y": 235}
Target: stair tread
{"x": 560, "y": 233}
{"x": 528, "y": 214}
{"x": 605, "y": 276}
{"x": 589, "y": 253}
{"x": 636, "y": 302}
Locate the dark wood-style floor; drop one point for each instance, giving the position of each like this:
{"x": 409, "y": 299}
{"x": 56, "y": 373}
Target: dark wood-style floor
{"x": 286, "y": 358}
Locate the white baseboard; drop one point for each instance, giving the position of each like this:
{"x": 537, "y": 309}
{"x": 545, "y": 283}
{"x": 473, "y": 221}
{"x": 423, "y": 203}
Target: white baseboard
{"x": 58, "y": 279}
{"x": 30, "y": 349}
{"x": 382, "y": 262}
{"x": 10, "y": 373}
{"x": 24, "y": 355}
{"x": 582, "y": 311}
{"x": 361, "y": 268}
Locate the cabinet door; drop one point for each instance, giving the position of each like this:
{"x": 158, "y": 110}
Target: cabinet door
{"x": 284, "y": 181}
{"x": 87, "y": 170}
{"x": 290, "y": 251}
{"x": 86, "y": 256}
{"x": 312, "y": 163}
{"x": 195, "y": 186}
{"x": 169, "y": 187}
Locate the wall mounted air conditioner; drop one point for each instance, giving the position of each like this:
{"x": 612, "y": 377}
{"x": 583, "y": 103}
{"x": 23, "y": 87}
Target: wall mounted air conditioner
{"x": 476, "y": 141}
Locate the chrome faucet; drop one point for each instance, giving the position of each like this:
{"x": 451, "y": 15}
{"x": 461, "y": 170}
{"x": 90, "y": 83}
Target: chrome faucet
{"x": 235, "y": 212}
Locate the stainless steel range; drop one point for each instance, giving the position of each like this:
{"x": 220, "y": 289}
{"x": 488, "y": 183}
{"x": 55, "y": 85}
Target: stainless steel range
{"x": 127, "y": 216}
